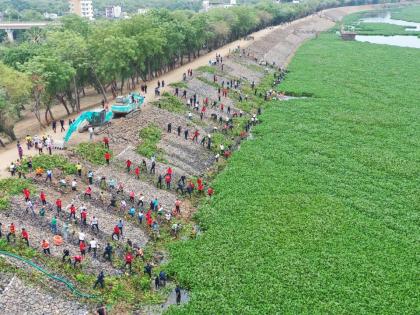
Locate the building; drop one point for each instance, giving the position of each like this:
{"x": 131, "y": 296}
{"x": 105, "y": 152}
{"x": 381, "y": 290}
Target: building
{"x": 113, "y": 12}
{"x": 82, "y": 8}
{"x": 212, "y": 4}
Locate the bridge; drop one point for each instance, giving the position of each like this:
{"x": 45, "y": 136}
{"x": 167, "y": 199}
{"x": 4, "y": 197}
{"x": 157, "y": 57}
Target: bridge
{"x": 9, "y": 27}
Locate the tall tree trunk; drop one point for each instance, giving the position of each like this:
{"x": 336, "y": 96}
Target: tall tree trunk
{"x": 76, "y": 94}
{"x": 101, "y": 87}
{"x": 63, "y": 101}
{"x": 122, "y": 86}
{"x": 37, "y": 108}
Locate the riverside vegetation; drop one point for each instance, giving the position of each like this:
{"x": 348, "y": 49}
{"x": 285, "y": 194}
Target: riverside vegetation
{"x": 318, "y": 212}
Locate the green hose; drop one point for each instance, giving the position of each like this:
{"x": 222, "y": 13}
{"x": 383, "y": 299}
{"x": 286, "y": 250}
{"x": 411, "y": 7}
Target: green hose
{"x": 68, "y": 284}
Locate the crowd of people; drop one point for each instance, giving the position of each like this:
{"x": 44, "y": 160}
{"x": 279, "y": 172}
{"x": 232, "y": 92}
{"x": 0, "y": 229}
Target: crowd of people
{"x": 71, "y": 220}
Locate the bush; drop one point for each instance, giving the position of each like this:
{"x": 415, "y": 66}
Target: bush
{"x": 150, "y": 137}
{"x": 53, "y": 162}
{"x": 170, "y": 103}
{"x": 93, "y": 152}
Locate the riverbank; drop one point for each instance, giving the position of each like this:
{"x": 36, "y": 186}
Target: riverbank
{"x": 273, "y": 44}
{"x": 316, "y": 213}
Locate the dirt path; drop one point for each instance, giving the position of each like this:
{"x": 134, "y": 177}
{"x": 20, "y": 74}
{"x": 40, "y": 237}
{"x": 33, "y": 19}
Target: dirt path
{"x": 290, "y": 35}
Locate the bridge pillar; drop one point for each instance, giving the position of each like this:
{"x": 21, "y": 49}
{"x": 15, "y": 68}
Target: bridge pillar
{"x": 10, "y": 37}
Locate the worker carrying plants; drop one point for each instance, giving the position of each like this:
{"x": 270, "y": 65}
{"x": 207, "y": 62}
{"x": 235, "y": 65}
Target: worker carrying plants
{"x": 100, "y": 280}
{"x": 25, "y": 236}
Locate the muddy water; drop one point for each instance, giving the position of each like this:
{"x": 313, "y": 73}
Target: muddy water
{"x": 398, "y": 40}
{"x": 386, "y": 18}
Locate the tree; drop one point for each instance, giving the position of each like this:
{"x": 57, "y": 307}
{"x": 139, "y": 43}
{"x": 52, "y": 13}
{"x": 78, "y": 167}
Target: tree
{"x": 15, "y": 89}
{"x": 51, "y": 79}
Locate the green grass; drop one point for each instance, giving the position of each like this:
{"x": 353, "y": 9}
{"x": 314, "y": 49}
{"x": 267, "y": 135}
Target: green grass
{"x": 149, "y": 138}
{"x": 10, "y": 187}
{"x": 94, "y": 152}
{"x": 208, "y": 69}
{"x": 407, "y": 13}
{"x": 383, "y": 29}
{"x": 181, "y": 85}
{"x": 319, "y": 213}
{"x": 170, "y": 103}
{"x": 52, "y": 162}
{"x": 211, "y": 83}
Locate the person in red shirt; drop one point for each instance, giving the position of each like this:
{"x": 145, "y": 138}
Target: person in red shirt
{"x": 83, "y": 216}
{"x": 199, "y": 181}
{"x": 200, "y": 188}
{"x": 88, "y": 192}
{"x": 169, "y": 171}
{"x": 12, "y": 232}
{"x": 43, "y": 198}
{"x": 168, "y": 181}
{"x": 149, "y": 219}
{"x": 59, "y": 205}
{"x": 27, "y": 194}
{"x": 222, "y": 107}
{"x": 131, "y": 194}
{"x": 116, "y": 232}
{"x": 128, "y": 260}
{"x": 210, "y": 192}
{"x": 128, "y": 164}
{"x": 195, "y": 137}
{"x": 25, "y": 236}
{"x": 72, "y": 211}
{"x": 82, "y": 247}
{"x": 107, "y": 156}
{"x": 137, "y": 172}
{"x": 106, "y": 142}
{"x": 46, "y": 247}
{"x": 77, "y": 259}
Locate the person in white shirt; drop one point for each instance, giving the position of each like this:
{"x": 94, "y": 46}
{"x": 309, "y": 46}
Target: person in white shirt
{"x": 73, "y": 185}
{"x": 29, "y": 206}
{"x": 93, "y": 245}
{"x": 90, "y": 129}
{"x": 94, "y": 224}
{"x": 81, "y": 237}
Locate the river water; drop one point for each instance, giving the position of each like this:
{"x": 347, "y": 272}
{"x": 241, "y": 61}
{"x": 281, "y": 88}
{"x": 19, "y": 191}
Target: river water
{"x": 397, "y": 40}
{"x": 386, "y": 18}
